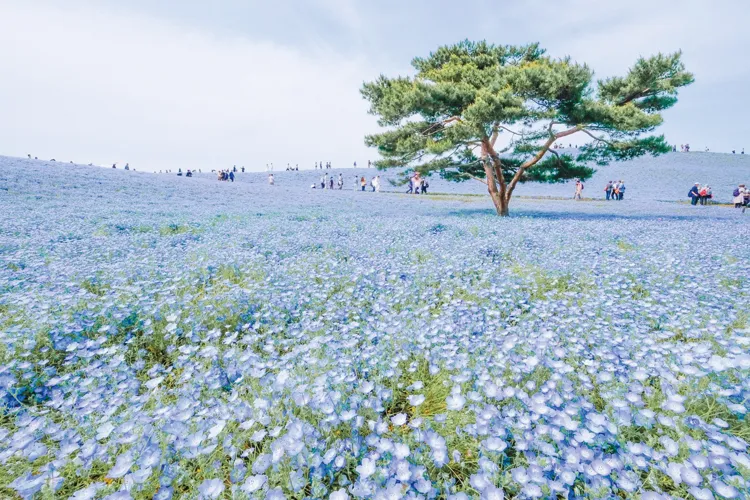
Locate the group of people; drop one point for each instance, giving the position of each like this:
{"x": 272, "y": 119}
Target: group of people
{"x": 226, "y": 175}
{"x": 417, "y": 184}
{"x": 360, "y": 183}
{"x": 327, "y": 182}
{"x": 614, "y": 190}
{"x": 700, "y": 194}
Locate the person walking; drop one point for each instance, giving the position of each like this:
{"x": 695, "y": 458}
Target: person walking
{"x": 425, "y": 185}
{"x": 231, "y": 176}
{"x": 579, "y": 190}
{"x": 363, "y": 183}
{"x": 356, "y": 182}
{"x": 377, "y": 183}
{"x": 694, "y": 194}
{"x": 330, "y": 183}
{"x": 340, "y": 182}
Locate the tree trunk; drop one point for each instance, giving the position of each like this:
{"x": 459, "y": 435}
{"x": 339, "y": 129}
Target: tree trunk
{"x": 495, "y": 183}
{"x": 501, "y": 204}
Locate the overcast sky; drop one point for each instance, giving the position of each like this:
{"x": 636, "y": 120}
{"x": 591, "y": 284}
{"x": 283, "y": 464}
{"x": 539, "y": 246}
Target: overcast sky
{"x": 169, "y": 83}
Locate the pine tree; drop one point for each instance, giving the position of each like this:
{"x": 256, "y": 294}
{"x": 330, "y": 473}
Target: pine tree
{"x": 448, "y": 117}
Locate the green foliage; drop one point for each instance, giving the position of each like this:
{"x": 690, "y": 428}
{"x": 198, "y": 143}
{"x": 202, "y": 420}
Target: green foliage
{"x": 447, "y": 118}
{"x": 173, "y": 229}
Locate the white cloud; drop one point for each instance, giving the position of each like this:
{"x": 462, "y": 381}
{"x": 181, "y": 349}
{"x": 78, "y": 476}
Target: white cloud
{"x": 94, "y": 85}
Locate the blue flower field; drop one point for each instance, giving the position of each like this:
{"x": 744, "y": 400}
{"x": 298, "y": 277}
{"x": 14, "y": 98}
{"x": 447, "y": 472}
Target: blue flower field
{"x": 169, "y": 337}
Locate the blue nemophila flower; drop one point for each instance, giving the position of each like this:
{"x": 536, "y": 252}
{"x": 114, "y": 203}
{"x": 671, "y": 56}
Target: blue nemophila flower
{"x": 122, "y": 466}
{"x": 211, "y": 488}
{"x": 254, "y": 483}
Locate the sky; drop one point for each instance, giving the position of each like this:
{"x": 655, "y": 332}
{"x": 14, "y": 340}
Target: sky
{"x": 167, "y": 84}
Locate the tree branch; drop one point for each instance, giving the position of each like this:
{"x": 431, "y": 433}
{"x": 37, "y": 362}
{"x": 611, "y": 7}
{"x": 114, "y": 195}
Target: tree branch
{"x": 495, "y": 133}
{"x": 477, "y": 178}
{"x": 441, "y": 124}
{"x": 509, "y": 130}
{"x": 542, "y": 151}
{"x": 599, "y": 139}
{"x": 634, "y": 96}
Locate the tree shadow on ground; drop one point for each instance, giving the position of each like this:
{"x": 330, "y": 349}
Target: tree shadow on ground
{"x": 592, "y": 216}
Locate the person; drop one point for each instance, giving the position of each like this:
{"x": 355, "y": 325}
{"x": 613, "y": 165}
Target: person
{"x": 377, "y": 183}
{"x": 369, "y": 163}
{"x": 579, "y": 190}
{"x": 296, "y": 168}
{"x": 234, "y": 169}
{"x": 738, "y": 196}
{"x": 188, "y": 173}
{"x": 417, "y": 184}
{"x": 231, "y": 176}
{"x": 340, "y": 182}
{"x": 179, "y": 172}
{"x": 608, "y": 189}
{"x": 621, "y": 190}
{"x": 29, "y": 156}
{"x": 114, "y": 165}
{"x": 703, "y": 195}
{"x": 322, "y": 181}
{"x": 356, "y": 182}
{"x": 741, "y": 152}
{"x": 411, "y": 185}
{"x": 674, "y": 148}
{"x": 694, "y": 193}
{"x": 372, "y": 184}
{"x": 243, "y": 169}
{"x": 615, "y": 190}
{"x": 733, "y": 151}
{"x": 363, "y": 182}
{"x": 270, "y": 179}
{"x": 425, "y": 185}
{"x": 316, "y": 165}
{"x": 330, "y": 183}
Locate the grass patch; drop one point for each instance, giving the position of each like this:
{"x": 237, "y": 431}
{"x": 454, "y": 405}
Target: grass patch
{"x": 174, "y": 229}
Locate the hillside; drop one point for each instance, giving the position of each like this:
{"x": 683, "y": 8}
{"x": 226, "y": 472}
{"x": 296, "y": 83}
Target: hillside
{"x": 665, "y": 178}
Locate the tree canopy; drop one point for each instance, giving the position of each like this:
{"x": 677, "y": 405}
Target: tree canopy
{"x": 448, "y": 117}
